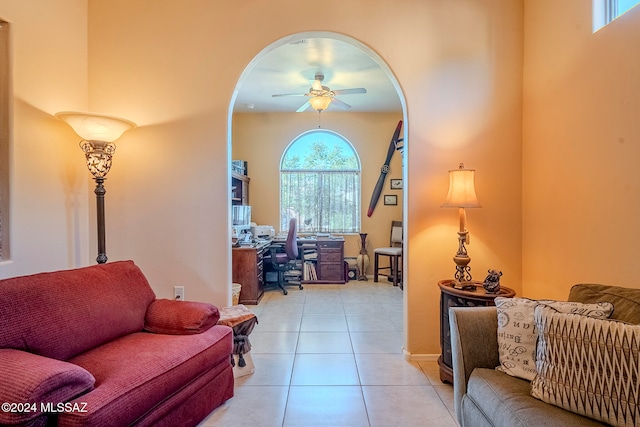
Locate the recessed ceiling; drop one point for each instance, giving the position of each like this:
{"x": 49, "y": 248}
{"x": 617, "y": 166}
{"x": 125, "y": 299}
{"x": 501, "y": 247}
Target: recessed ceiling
{"x": 291, "y": 69}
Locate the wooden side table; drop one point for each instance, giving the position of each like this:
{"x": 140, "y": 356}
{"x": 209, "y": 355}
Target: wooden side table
{"x": 452, "y": 297}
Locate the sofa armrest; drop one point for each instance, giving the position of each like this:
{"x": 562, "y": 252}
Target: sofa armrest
{"x": 171, "y": 317}
{"x": 31, "y": 380}
{"x": 474, "y": 344}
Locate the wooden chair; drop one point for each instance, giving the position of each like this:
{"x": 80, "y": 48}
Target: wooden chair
{"x": 394, "y": 252}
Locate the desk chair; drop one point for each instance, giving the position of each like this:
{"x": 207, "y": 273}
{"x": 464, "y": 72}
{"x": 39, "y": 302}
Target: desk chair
{"x": 284, "y": 259}
{"x": 394, "y": 252}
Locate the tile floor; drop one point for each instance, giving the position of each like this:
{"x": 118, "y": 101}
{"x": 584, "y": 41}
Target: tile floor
{"x": 331, "y": 355}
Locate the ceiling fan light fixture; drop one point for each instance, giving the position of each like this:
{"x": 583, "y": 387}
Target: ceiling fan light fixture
{"x": 320, "y": 103}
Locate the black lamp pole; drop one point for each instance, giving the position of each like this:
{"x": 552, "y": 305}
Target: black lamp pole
{"x": 99, "y": 155}
{"x": 102, "y": 247}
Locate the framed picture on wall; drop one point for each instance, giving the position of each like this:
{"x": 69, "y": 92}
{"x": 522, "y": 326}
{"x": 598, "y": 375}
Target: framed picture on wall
{"x": 390, "y": 199}
{"x": 395, "y": 184}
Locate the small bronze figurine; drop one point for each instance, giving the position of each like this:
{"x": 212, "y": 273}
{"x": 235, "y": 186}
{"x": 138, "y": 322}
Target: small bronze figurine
{"x": 492, "y": 282}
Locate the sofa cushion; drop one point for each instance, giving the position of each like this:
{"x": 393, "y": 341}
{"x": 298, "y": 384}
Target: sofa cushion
{"x": 589, "y": 366}
{"x": 517, "y": 334}
{"x": 506, "y": 401}
{"x": 65, "y": 313}
{"x": 31, "y": 380}
{"x": 626, "y": 301}
{"x": 180, "y": 317}
{"x": 138, "y": 371}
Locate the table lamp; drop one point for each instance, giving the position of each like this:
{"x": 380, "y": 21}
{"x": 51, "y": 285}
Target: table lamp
{"x": 462, "y": 194}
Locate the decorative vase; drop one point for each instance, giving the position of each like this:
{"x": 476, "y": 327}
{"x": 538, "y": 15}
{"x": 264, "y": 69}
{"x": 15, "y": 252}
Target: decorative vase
{"x": 362, "y": 261}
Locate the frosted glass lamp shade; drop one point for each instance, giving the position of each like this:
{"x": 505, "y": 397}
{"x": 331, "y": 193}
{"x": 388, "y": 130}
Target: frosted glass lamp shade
{"x": 462, "y": 191}
{"x": 320, "y": 103}
{"x": 96, "y": 127}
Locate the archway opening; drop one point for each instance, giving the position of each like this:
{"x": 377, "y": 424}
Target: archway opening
{"x": 377, "y": 158}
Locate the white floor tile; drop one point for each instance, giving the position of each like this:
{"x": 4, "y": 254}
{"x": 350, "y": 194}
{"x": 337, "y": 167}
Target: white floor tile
{"x": 406, "y": 406}
{"x": 324, "y": 342}
{"x": 323, "y": 323}
{"x": 273, "y": 341}
{"x": 389, "y": 369}
{"x": 251, "y": 407}
{"x": 376, "y": 342}
{"x": 324, "y": 369}
{"x": 331, "y": 355}
{"x": 325, "y": 407}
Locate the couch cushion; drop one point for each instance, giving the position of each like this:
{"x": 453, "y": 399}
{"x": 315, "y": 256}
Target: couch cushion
{"x": 65, "y": 313}
{"x": 626, "y": 301}
{"x": 137, "y": 372}
{"x": 506, "y": 401}
{"x": 517, "y": 334}
{"x": 31, "y": 380}
{"x": 589, "y": 366}
{"x": 171, "y": 317}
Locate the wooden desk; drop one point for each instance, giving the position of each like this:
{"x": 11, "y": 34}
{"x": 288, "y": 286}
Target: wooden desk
{"x": 248, "y": 270}
{"x": 330, "y": 258}
{"x": 451, "y": 297}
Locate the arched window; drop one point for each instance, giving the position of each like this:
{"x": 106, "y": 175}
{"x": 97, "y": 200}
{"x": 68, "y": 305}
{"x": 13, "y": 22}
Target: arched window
{"x": 320, "y": 184}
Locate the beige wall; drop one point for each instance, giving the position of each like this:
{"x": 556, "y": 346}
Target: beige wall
{"x": 49, "y": 181}
{"x": 172, "y": 67}
{"x": 261, "y": 139}
{"x": 581, "y": 149}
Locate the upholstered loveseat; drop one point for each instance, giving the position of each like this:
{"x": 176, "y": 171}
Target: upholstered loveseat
{"x": 594, "y": 386}
{"x": 94, "y": 347}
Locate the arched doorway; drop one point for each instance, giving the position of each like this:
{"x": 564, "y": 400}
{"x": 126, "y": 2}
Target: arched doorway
{"x": 301, "y": 77}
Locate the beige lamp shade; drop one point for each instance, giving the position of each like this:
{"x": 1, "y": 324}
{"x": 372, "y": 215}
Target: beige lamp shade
{"x": 96, "y": 127}
{"x": 462, "y": 191}
{"x": 320, "y": 103}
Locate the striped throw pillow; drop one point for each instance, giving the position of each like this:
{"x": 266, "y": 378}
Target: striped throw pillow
{"x": 588, "y": 366}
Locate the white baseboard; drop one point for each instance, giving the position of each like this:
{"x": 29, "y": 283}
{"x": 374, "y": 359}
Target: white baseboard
{"x": 419, "y": 357}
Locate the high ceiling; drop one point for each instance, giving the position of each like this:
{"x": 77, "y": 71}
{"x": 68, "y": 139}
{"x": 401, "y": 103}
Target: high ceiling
{"x": 291, "y": 69}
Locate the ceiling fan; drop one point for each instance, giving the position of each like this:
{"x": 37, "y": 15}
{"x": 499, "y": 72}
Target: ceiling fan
{"x": 321, "y": 96}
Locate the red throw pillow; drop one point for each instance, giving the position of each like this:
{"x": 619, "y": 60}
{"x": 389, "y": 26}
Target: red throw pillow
{"x": 171, "y": 317}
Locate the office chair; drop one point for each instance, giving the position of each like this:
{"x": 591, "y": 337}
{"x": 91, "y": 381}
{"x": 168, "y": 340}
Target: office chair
{"x": 394, "y": 252}
{"x": 285, "y": 263}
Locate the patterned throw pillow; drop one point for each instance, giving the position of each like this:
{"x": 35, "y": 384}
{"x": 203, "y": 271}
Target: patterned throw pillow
{"x": 517, "y": 333}
{"x": 588, "y": 366}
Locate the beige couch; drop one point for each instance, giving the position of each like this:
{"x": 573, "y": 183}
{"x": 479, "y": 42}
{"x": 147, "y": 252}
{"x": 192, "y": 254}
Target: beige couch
{"x": 484, "y": 396}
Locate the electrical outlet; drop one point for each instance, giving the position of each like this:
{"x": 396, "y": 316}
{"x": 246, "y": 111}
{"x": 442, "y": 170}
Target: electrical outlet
{"x": 178, "y": 293}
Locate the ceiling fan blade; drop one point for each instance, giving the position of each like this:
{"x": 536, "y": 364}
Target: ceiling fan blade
{"x": 289, "y": 94}
{"x": 304, "y": 107}
{"x": 339, "y": 104}
{"x": 350, "y": 91}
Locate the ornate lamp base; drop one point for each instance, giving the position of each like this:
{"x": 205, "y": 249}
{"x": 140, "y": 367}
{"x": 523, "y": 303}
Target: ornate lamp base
{"x": 462, "y": 259}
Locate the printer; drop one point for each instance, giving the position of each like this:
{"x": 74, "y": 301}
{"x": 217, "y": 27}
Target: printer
{"x": 263, "y": 231}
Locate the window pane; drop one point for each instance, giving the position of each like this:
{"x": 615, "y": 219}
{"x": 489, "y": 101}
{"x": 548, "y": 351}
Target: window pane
{"x": 624, "y": 5}
{"x": 606, "y": 11}
{"x": 320, "y": 184}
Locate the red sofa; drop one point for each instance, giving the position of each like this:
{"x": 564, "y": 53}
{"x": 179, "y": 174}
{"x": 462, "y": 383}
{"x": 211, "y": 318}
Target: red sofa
{"x": 94, "y": 347}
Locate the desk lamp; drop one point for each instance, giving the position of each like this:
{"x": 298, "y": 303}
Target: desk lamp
{"x": 462, "y": 194}
{"x": 98, "y": 132}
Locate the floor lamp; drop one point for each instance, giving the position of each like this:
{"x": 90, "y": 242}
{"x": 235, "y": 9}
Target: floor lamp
{"x": 98, "y": 133}
{"x": 462, "y": 194}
